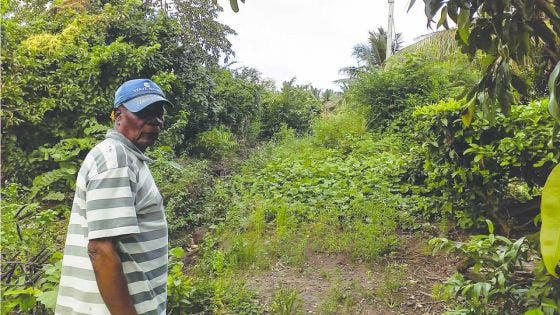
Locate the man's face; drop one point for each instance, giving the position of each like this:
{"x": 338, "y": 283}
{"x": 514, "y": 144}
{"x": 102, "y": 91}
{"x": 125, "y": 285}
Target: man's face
{"x": 141, "y": 128}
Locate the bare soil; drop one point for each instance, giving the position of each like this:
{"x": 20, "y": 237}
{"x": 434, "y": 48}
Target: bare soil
{"x": 334, "y": 284}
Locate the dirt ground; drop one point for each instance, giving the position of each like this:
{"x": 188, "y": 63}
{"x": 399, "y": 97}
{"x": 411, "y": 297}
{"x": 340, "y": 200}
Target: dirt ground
{"x": 333, "y": 284}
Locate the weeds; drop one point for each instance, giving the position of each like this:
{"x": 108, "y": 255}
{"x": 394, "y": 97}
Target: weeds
{"x": 286, "y": 302}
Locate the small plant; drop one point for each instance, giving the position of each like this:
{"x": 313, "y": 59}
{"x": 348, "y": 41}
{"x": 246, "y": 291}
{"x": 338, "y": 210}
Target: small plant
{"x": 179, "y": 286}
{"x": 23, "y": 295}
{"x": 496, "y": 277}
{"x": 339, "y": 299}
{"x": 392, "y": 281}
{"x": 286, "y": 302}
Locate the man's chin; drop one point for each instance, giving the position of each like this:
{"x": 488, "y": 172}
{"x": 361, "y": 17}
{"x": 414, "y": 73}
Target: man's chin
{"x": 146, "y": 141}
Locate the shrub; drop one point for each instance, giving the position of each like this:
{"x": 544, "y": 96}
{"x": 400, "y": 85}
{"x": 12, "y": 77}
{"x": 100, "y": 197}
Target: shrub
{"x": 341, "y": 130}
{"x": 201, "y": 294}
{"x": 294, "y": 107}
{"x": 391, "y": 93}
{"x": 184, "y": 187}
{"x": 497, "y": 277}
{"x": 216, "y": 143}
{"x": 488, "y": 169}
{"x": 237, "y": 102}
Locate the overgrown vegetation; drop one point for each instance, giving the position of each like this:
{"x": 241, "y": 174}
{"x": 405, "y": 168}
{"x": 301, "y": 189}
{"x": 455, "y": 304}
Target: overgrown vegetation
{"x": 254, "y": 177}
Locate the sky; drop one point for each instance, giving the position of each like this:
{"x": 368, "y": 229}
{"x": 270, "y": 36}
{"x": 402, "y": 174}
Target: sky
{"x": 311, "y": 39}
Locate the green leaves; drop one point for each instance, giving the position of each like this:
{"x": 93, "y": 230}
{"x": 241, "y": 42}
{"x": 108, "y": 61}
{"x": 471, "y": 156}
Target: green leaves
{"x": 493, "y": 275}
{"x": 507, "y": 156}
{"x": 234, "y": 5}
{"x": 177, "y": 253}
{"x": 511, "y": 32}
{"x": 48, "y": 299}
{"x": 550, "y": 217}
{"x": 463, "y": 25}
{"x": 468, "y": 113}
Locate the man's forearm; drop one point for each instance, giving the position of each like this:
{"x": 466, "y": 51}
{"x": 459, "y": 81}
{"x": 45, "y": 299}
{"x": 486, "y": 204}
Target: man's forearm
{"x": 110, "y": 276}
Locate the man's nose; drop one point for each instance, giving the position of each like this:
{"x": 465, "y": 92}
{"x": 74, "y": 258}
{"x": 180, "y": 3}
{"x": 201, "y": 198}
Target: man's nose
{"x": 156, "y": 121}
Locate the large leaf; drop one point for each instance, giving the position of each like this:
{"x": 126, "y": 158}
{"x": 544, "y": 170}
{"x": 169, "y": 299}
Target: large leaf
{"x": 48, "y": 299}
{"x": 463, "y": 25}
{"x": 550, "y": 216}
{"x": 234, "y": 5}
{"x": 410, "y": 4}
{"x": 553, "y": 86}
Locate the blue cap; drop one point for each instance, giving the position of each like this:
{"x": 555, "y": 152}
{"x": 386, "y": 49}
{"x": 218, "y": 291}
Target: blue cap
{"x": 137, "y": 94}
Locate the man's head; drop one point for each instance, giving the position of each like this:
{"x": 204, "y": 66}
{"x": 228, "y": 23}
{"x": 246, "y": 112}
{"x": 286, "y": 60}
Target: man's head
{"x": 138, "y": 111}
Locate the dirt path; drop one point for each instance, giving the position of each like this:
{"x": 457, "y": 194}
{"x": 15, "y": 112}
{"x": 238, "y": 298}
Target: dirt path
{"x": 332, "y": 284}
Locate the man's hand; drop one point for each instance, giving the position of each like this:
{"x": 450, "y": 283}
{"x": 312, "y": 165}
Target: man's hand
{"x": 110, "y": 276}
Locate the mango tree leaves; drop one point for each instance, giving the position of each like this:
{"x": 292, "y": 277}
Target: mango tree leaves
{"x": 233, "y": 4}
{"x": 508, "y": 31}
{"x": 550, "y": 216}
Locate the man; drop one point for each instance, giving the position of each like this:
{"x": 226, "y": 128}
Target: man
{"x": 115, "y": 257}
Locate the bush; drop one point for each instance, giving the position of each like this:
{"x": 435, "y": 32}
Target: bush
{"x": 391, "y": 93}
{"x": 201, "y": 294}
{"x": 294, "y": 107}
{"x": 497, "y": 277}
{"x": 341, "y": 130}
{"x": 184, "y": 187}
{"x": 216, "y": 144}
{"x": 488, "y": 169}
{"x": 237, "y": 104}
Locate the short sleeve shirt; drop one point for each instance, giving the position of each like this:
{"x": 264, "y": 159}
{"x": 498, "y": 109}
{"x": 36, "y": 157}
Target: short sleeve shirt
{"x": 115, "y": 197}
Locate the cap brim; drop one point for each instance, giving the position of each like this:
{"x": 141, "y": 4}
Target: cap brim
{"x": 139, "y": 103}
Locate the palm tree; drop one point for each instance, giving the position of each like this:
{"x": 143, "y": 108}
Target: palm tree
{"x": 371, "y": 54}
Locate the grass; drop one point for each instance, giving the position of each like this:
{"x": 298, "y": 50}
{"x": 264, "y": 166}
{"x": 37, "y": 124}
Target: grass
{"x": 393, "y": 279}
{"x": 333, "y": 192}
{"x": 286, "y": 302}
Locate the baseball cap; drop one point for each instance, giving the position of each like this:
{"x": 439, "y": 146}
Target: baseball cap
{"x": 137, "y": 94}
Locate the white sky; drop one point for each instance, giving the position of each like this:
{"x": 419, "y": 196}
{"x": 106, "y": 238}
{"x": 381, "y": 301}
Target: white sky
{"x": 311, "y": 39}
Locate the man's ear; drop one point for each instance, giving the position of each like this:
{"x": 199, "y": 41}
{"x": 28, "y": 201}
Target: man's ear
{"x": 118, "y": 113}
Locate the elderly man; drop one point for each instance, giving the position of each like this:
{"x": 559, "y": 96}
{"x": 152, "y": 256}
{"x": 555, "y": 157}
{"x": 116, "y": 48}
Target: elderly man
{"x": 115, "y": 258}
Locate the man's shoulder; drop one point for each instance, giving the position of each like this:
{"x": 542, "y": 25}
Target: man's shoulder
{"x": 106, "y": 155}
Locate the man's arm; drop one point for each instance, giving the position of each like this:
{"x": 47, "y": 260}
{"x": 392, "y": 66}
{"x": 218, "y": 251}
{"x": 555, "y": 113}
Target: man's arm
{"x": 110, "y": 276}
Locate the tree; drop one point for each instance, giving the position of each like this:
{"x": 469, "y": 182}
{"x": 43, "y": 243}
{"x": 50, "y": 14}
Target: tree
{"x": 295, "y": 106}
{"x": 371, "y": 54}
{"x": 507, "y": 32}
{"x": 62, "y": 64}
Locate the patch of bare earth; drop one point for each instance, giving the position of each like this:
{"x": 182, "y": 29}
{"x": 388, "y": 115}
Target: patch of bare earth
{"x": 333, "y": 284}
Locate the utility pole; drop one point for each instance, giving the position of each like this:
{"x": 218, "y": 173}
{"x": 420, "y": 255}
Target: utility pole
{"x": 390, "y": 24}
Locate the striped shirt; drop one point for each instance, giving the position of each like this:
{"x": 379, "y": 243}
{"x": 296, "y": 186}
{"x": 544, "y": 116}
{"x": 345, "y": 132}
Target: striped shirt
{"x": 115, "y": 197}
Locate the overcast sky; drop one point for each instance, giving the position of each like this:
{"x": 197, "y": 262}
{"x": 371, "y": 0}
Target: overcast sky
{"x": 311, "y": 39}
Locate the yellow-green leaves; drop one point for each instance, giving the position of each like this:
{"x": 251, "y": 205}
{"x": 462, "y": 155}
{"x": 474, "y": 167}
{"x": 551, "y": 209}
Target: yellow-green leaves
{"x": 468, "y": 113}
{"x": 550, "y": 215}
